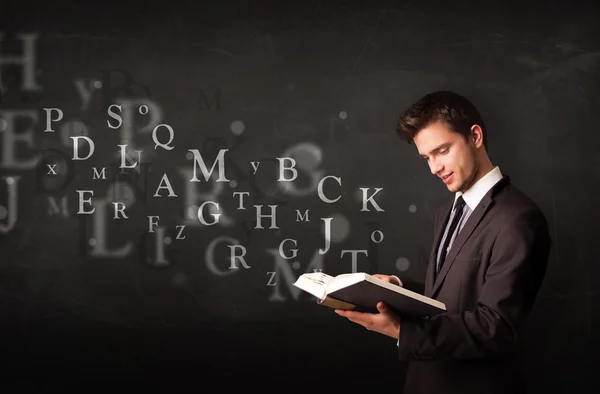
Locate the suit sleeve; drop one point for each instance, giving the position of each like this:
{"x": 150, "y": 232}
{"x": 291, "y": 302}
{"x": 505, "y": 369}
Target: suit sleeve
{"x": 515, "y": 274}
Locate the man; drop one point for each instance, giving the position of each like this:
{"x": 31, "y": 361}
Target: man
{"x": 488, "y": 261}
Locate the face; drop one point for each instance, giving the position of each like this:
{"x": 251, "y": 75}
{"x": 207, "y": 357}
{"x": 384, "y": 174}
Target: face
{"x": 449, "y": 155}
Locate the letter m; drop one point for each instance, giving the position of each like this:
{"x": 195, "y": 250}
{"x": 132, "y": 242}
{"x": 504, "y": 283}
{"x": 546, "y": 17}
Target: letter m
{"x": 101, "y": 174}
{"x": 199, "y": 162}
{"x": 55, "y": 209}
{"x": 216, "y": 99}
{"x": 299, "y": 217}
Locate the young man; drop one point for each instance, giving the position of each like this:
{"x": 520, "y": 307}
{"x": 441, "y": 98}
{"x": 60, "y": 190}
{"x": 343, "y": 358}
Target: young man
{"x": 488, "y": 261}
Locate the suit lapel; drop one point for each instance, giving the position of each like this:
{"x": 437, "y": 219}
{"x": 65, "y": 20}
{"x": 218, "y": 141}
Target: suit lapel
{"x": 463, "y": 235}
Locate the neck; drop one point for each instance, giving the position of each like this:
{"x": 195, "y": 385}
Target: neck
{"x": 484, "y": 169}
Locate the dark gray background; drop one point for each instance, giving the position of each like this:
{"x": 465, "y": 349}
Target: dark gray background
{"x": 286, "y": 71}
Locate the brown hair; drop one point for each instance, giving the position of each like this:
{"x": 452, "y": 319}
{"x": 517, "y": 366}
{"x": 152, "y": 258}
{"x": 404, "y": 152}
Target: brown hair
{"x": 441, "y": 106}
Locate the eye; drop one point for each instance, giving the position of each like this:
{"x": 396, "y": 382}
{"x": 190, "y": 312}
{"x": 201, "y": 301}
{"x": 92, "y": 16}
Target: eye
{"x": 443, "y": 151}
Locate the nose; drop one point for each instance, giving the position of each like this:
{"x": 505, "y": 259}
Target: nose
{"x": 435, "y": 166}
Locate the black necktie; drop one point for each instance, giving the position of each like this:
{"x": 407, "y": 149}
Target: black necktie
{"x": 458, "y": 206}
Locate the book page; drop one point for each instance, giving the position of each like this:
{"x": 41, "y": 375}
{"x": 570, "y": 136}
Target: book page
{"x": 319, "y": 277}
{"x": 314, "y": 283}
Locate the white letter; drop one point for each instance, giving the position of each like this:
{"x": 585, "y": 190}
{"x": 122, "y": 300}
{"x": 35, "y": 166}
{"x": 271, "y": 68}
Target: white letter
{"x": 76, "y": 147}
{"x": 282, "y": 168}
{"x": 152, "y": 223}
{"x": 165, "y": 179}
{"x": 125, "y": 156}
{"x": 119, "y": 207}
{"x": 114, "y": 116}
{"x": 380, "y": 236}
{"x": 327, "y": 235}
{"x": 320, "y": 189}
{"x": 294, "y": 251}
{"x": 354, "y": 253}
{"x": 50, "y": 120}
{"x": 241, "y": 194}
{"x": 214, "y": 215}
{"x": 199, "y": 161}
{"x": 299, "y": 217}
{"x": 233, "y": 257}
{"x": 51, "y": 170}
{"x": 259, "y": 216}
{"x": 97, "y": 174}
{"x": 81, "y": 201}
{"x": 272, "y": 281}
{"x": 180, "y": 227}
{"x": 365, "y": 199}
{"x": 165, "y": 146}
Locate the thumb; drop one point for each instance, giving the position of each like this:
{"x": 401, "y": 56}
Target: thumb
{"x": 382, "y": 277}
{"x": 381, "y": 307}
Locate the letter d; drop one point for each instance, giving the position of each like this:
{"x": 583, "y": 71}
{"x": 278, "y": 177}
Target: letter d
{"x": 76, "y": 147}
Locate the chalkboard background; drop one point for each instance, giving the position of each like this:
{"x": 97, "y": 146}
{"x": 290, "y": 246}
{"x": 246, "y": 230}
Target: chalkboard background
{"x": 323, "y": 83}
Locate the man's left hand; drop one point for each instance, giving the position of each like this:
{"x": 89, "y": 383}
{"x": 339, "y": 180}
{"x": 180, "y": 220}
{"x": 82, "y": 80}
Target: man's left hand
{"x": 385, "y": 322}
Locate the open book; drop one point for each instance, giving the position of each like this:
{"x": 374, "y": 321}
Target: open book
{"x": 361, "y": 291}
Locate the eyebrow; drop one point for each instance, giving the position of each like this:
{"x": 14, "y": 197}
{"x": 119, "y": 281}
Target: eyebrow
{"x": 442, "y": 146}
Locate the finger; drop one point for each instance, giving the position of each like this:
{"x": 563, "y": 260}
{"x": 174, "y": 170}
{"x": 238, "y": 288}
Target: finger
{"x": 357, "y": 317}
{"x": 352, "y": 314}
{"x": 383, "y": 277}
{"x": 362, "y": 323}
{"x": 346, "y": 313}
{"x": 382, "y": 308}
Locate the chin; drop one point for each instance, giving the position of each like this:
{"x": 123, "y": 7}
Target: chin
{"x": 453, "y": 187}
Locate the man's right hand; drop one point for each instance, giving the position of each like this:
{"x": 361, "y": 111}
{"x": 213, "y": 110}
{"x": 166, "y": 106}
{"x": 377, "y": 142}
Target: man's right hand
{"x": 388, "y": 278}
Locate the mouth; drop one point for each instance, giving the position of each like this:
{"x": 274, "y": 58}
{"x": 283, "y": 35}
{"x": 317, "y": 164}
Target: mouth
{"x": 448, "y": 178}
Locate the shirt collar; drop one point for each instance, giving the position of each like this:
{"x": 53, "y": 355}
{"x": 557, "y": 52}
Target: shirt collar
{"x": 476, "y": 192}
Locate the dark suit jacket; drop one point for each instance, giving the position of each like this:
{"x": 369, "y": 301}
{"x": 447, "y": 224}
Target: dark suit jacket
{"x": 489, "y": 283}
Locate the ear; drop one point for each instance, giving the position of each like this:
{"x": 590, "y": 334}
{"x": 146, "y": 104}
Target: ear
{"x": 476, "y": 136}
